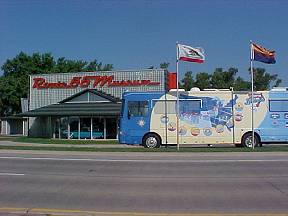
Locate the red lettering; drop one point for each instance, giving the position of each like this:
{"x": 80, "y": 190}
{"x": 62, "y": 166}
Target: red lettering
{"x": 75, "y": 82}
{"x": 97, "y": 80}
{"x": 106, "y": 80}
{"x": 154, "y": 83}
{"x": 145, "y": 82}
{"x": 61, "y": 85}
{"x": 85, "y": 81}
{"x": 103, "y": 80}
{"x": 38, "y": 82}
{"x": 45, "y": 85}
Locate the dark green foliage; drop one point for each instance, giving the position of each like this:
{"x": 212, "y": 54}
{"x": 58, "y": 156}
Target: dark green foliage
{"x": 164, "y": 65}
{"x": 203, "y": 80}
{"x": 187, "y": 81}
{"x": 264, "y": 80}
{"x": 222, "y": 79}
{"x": 14, "y": 83}
{"x": 241, "y": 85}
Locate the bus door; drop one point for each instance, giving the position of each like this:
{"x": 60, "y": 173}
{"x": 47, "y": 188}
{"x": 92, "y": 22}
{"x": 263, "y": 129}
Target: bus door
{"x": 138, "y": 119}
{"x": 275, "y": 125}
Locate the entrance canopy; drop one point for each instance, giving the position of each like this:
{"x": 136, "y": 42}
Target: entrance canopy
{"x": 89, "y": 102}
{"x": 76, "y": 109}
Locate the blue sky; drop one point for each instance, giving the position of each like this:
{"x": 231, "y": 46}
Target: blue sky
{"x": 137, "y": 34}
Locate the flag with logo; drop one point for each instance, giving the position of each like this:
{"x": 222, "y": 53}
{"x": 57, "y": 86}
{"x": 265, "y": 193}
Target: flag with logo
{"x": 262, "y": 54}
{"x": 190, "y": 54}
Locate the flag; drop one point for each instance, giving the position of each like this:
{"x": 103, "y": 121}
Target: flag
{"x": 262, "y": 54}
{"x": 190, "y": 54}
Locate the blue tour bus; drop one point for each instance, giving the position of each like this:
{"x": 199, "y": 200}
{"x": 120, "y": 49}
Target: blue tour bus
{"x": 212, "y": 116}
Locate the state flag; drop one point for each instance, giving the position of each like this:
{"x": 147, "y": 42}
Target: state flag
{"x": 190, "y": 54}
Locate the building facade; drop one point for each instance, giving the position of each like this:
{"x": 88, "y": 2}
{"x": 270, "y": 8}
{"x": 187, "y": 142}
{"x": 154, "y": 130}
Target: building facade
{"x": 86, "y": 105}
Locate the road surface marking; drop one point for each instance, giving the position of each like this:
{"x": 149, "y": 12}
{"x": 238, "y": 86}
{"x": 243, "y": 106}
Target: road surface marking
{"x": 96, "y": 213}
{"x": 148, "y": 160}
{"x": 12, "y": 174}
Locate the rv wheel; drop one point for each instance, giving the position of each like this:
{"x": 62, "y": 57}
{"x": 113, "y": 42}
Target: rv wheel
{"x": 151, "y": 141}
{"x": 247, "y": 140}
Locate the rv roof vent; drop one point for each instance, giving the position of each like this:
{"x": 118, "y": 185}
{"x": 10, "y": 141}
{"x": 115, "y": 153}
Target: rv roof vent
{"x": 175, "y": 90}
{"x": 211, "y": 89}
{"x": 195, "y": 89}
{"x": 217, "y": 90}
{"x": 279, "y": 89}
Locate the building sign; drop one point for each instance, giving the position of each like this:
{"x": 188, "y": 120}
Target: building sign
{"x": 85, "y": 81}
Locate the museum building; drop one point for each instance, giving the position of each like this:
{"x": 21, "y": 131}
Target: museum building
{"x": 86, "y": 105}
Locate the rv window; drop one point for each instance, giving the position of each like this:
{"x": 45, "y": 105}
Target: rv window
{"x": 161, "y": 106}
{"x": 278, "y": 105}
{"x": 190, "y": 106}
{"x": 137, "y": 108}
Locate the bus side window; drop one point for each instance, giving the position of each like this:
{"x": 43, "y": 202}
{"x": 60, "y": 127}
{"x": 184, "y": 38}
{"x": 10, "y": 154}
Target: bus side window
{"x": 137, "y": 108}
{"x": 278, "y": 105}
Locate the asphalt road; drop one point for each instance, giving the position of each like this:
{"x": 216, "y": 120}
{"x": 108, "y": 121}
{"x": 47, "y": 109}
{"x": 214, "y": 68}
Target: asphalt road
{"x": 145, "y": 182}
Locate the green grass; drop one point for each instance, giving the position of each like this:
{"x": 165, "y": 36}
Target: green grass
{"x": 4, "y": 138}
{"x": 82, "y": 143}
{"x": 140, "y": 149}
{"x": 57, "y": 141}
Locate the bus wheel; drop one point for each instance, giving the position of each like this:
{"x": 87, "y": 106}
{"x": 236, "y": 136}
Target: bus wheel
{"x": 247, "y": 140}
{"x": 151, "y": 141}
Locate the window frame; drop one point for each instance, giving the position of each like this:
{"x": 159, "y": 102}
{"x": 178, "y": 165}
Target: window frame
{"x": 272, "y": 100}
{"x": 145, "y": 107}
{"x": 154, "y": 101}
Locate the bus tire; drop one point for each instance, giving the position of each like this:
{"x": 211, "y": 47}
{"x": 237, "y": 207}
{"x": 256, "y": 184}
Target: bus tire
{"x": 247, "y": 140}
{"x": 151, "y": 141}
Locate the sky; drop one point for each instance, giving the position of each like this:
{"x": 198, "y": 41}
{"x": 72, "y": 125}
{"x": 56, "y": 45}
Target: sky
{"x": 137, "y": 34}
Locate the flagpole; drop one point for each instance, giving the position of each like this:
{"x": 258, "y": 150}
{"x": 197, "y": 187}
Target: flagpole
{"x": 177, "y": 84}
{"x": 252, "y": 92}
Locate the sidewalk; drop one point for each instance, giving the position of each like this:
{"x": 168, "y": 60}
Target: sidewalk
{"x": 11, "y": 143}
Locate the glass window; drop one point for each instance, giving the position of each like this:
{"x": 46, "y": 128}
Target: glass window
{"x": 56, "y": 128}
{"x": 189, "y": 106}
{"x": 85, "y": 128}
{"x": 111, "y": 128}
{"x": 278, "y": 105}
{"x": 138, "y": 108}
{"x": 159, "y": 107}
{"x": 74, "y": 127}
{"x": 97, "y": 128}
{"x": 63, "y": 127}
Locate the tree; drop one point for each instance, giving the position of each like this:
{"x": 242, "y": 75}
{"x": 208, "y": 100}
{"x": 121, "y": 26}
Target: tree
{"x": 264, "y": 80}
{"x": 24, "y": 64}
{"x": 95, "y": 66}
{"x": 203, "y": 80}
{"x": 223, "y": 79}
{"x": 11, "y": 89}
{"x": 241, "y": 85}
{"x": 187, "y": 82}
{"x": 14, "y": 83}
{"x": 164, "y": 65}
